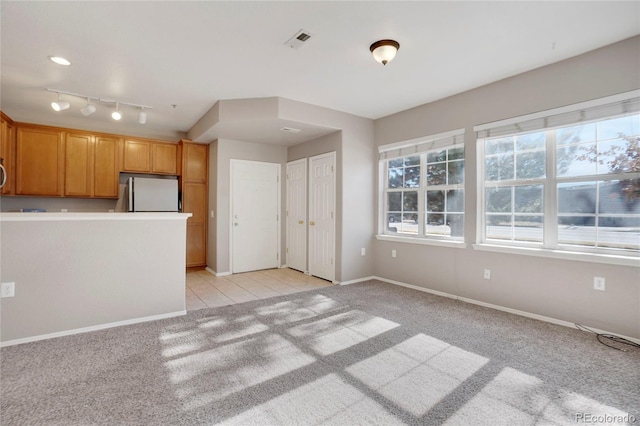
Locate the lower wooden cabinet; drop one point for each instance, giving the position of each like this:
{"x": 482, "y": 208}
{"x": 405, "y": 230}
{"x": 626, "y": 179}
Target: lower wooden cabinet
{"x": 195, "y": 196}
{"x": 196, "y": 245}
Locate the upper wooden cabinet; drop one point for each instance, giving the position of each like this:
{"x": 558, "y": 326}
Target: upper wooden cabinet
{"x": 92, "y": 168}
{"x": 7, "y": 153}
{"x": 39, "y": 161}
{"x": 194, "y": 162}
{"x": 145, "y": 156}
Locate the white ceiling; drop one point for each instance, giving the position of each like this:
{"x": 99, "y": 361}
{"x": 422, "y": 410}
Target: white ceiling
{"x": 193, "y": 54}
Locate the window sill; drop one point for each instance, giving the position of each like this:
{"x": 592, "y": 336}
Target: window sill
{"x": 562, "y": 254}
{"x": 422, "y": 241}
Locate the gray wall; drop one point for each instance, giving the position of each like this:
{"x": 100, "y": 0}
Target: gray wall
{"x": 220, "y": 156}
{"x": 560, "y": 289}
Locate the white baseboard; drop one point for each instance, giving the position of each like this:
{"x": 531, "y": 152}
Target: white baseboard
{"x": 283, "y": 266}
{"x": 357, "y": 280}
{"x": 92, "y": 328}
{"x": 211, "y": 271}
{"x": 499, "y": 308}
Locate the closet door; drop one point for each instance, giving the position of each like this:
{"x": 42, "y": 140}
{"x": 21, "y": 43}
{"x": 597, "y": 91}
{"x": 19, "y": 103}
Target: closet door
{"x": 297, "y": 215}
{"x": 322, "y": 222}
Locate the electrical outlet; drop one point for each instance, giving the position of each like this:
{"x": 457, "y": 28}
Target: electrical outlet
{"x": 598, "y": 283}
{"x": 64, "y": 210}
{"x": 363, "y": 251}
{"x": 8, "y": 290}
{"x": 487, "y": 274}
{"x": 393, "y": 253}
{"x": 212, "y": 214}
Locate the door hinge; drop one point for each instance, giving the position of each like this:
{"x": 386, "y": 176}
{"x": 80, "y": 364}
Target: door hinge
{"x": 331, "y": 168}
{"x": 287, "y": 213}
{"x": 287, "y": 250}
{"x": 331, "y": 215}
{"x": 277, "y": 256}
{"x": 332, "y": 260}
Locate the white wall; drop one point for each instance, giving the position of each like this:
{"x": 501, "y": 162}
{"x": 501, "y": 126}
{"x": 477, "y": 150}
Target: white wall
{"x": 559, "y": 289}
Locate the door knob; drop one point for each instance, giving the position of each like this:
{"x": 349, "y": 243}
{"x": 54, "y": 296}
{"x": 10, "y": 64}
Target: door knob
{"x": 312, "y": 223}
{"x": 300, "y": 222}
{"x": 235, "y": 223}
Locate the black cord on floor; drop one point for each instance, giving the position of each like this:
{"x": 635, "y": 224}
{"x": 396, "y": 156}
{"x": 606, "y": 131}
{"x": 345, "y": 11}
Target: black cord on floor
{"x": 612, "y": 337}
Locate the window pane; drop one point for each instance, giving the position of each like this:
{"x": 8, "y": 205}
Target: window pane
{"x": 412, "y": 161}
{"x": 456, "y": 224}
{"x": 576, "y": 134}
{"x": 394, "y": 201}
{"x": 395, "y": 178}
{"x": 531, "y": 165}
{"x": 437, "y": 156}
{"x": 456, "y": 154}
{"x": 412, "y": 177}
{"x": 576, "y": 160}
{"x": 619, "y": 197}
{"x": 456, "y": 172}
{"x": 437, "y": 174}
{"x": 498, "y": 227}
{"x": 455, "y": 201}
{"x": 398, "y": 162}
{"x": 528, "y": 199}
{"x": 499, "y": 167}
{"x": 498, "y": 200}
{"x": 577, "y": 230}
{"x": 628, "y": 126}
{"x": 434, "y": 219}
{"x": 410, "y": 201}
{"x": 499, "y": 145}
{"x": 619, "y": 156}
{"x": 578, "y": 197}
{"x": 619, "y": 232}
{"x": 435, "y": 201}
{"x": 527, "y": 228}
{"x": 531, "y": 141}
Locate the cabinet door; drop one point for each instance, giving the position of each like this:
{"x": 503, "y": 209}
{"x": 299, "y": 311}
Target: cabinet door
{"x": 165, "y": 158}
{"x": 106, "y": 167}
{"x": 196, "y": 245}
{"x": 39, "y": 162}
{"x": 194, "y": 163}
{"x": 137, "y": 156}
{"x": 7, "y": 150}
{"x": 78, "y": 176}
{"x": 194, "y": 201}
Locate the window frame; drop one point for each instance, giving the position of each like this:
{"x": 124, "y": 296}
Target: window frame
{"x": 550, "y": 245}
{"x": 419, "y": 147}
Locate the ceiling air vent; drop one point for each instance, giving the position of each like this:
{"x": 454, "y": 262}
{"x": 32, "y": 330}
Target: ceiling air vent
{"x": 298, "y": 39}
{"x": 290, "y": 130}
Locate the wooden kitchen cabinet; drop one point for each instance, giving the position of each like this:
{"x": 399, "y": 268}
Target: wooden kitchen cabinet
{"x": 7, "y": 153}
{"x": 146, "y": 156}
{"x": 39, "y": 161}
{"x": 194, "y": 172}
{"x": 106, "y": 169}
{"x": 92, "y": 168}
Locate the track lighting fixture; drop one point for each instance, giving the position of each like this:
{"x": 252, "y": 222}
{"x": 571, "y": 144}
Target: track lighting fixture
{"x": 116, "y": 114}
{"x": 90, "y": 108}
{"x": 60, "y": 105}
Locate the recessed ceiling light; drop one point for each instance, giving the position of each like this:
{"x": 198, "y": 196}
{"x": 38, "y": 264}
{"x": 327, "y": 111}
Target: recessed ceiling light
{"x": 59, "y": 60}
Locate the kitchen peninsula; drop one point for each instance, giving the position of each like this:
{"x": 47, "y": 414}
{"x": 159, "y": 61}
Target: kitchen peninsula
{"x": 76, "y": 272}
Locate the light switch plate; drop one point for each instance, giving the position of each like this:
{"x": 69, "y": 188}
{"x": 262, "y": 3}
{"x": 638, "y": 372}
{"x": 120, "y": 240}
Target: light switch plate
{"x": 8, "y": 290}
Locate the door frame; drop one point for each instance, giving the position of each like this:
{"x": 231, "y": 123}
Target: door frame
{"x": 232, "y": 162}
{"x": 332, "y": 155}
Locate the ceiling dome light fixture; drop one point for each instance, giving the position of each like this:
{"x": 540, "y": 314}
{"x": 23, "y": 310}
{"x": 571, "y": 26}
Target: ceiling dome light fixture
{"x": 116, "y": 114}
{"x": 384, "y": 50}
{"x": 59, "y": 60}
{"x": 88, "y": 109}
{"x": 60, "y": 105}
{"x": 142, "y": 116}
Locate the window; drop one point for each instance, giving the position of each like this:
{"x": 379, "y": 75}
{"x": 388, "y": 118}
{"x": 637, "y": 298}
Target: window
{"x": 570, "y": 186}
{"x": 423, "y": 187}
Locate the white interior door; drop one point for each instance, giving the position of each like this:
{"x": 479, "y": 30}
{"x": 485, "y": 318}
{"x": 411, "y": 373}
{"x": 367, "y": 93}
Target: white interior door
{"x": 255, "y": 211}
{"x": 322, "y": 188}
{"x": 297, "y": 215}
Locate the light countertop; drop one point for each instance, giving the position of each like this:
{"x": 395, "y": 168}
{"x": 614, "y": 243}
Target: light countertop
{"x": 79, "y": 216}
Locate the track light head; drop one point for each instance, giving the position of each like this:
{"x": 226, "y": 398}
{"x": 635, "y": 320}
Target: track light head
{"x": 116, "y": 114}
{"x": 142, "y": 116}
{"x": 60, "y": 105}
{"x": 88, "y": 109}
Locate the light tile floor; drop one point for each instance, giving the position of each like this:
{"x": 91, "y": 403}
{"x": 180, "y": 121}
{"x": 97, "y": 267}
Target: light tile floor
{"x": 205, "y": 290}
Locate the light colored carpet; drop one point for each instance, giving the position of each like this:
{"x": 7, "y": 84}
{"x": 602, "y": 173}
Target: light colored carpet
{"x": 368, "y": 353}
